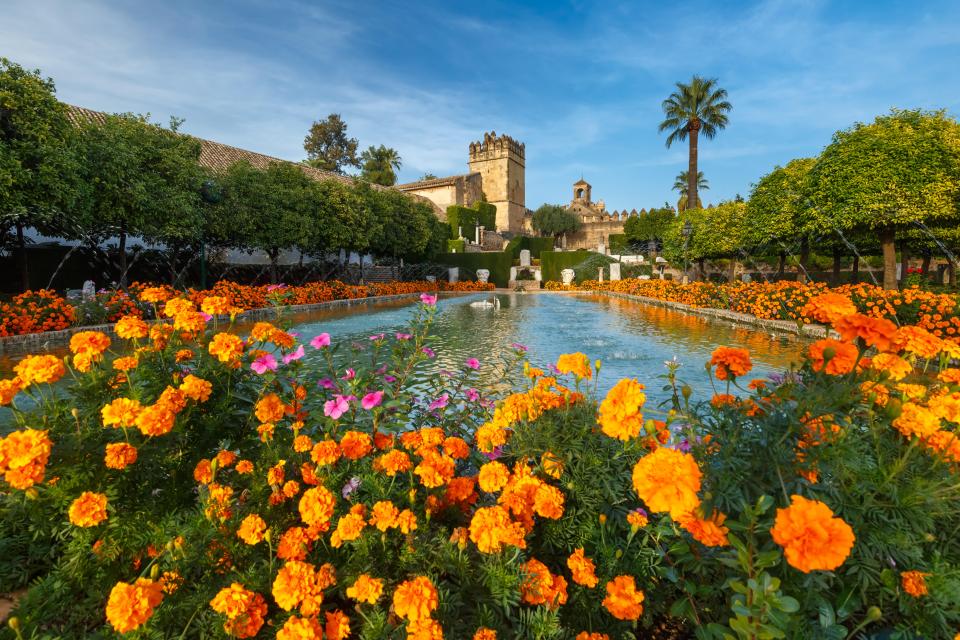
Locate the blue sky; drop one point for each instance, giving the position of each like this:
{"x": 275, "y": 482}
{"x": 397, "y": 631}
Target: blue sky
{"x": 579, "y": 82}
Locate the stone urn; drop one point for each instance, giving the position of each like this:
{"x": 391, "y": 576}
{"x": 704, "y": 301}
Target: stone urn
{"x": 483, "y": 275}
{"x": 567, "y": 275}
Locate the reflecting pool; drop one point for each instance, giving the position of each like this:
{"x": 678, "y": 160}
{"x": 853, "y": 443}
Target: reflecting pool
{"x": 630, "y": 338}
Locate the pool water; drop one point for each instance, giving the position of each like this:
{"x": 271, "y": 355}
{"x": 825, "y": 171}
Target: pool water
{"x": 631, "y": 339}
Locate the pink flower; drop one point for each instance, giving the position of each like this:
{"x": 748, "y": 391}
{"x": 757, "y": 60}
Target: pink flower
{"x": 371, "y": 400}
{"x": 376, "y": 337}
{"x": 389, "y": 379}
{"x": 429, "y": 352}
{"x": 518, "y": 346}
{"x": 473, "y": 395}
{"x": 349, "y": 375}
{"x": 294, "y": 355}
{"x": 264, "y": 362}
{"x": 321, "y": 341}
{"x": 274, "y": 287}
{"x": 428, "y": 299}
{"x": 403, "y": 336}
{"x": 336, "y": 407}
{"x": 326, "y": 383}
{"x": 440, "y": 402}
{"x": 206, "y": 316}
{"x": 473, "y": 363}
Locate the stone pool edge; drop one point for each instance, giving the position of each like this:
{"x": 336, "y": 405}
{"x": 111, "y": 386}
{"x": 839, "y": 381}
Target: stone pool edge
{"x": 27, "y": 342}
{"x": 814, "y": 331}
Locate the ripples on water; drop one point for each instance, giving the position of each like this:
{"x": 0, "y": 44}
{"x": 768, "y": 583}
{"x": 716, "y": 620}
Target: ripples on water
{"x": 631, "y": 339}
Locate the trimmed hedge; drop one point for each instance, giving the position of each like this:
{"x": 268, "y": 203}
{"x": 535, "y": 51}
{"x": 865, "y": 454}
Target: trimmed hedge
{"x": 553, "y": 262}
{"x": 481, "y": 214}
{"x": 498, "y": 262}
{"x": 536, "y": 246}
{"x": 486, "y": 215}
{"x": 456, "y": 246}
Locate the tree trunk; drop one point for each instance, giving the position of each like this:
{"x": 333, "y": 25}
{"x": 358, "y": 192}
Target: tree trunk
{"x": 703, "y": 270}
{"x": 887, "y": 242}
{"x": 783, "y": 264}
{"x": 173, "y": 267}
{"x": 693, "y": 133}
{"x": 855, "y": 270}
{"x": 733, "y": 270}
{"x": 904, "y": 260}
{"x": 274, "y": 254}
{"x": 804, "y": 257}
{"x": 122, "y": 247}
{"x": 22, "y": 259}
{"x": 925, "y": 266}
{"x": 951, "y": 273}
{"x": 835, "y": 276}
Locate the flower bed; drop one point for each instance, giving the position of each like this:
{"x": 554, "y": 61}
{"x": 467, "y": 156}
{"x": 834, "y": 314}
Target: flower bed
{"x": 938, "y": 313}
{"x": 45, "y": 310}
{"x": 214, "y": 486}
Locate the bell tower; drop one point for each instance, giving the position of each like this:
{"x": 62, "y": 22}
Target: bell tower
{"x": 581, "y": 191}
{"x": 500, "y": 161}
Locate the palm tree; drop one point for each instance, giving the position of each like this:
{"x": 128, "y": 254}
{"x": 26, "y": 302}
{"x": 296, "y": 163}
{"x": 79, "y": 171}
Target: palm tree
{"x": 700, "y": 106}
{"x": 379, "y": 164}
{"x": 682, "y": 186}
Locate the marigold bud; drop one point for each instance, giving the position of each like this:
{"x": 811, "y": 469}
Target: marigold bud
{"x": 14, "y": 623}
{"x": 874, "y": 613}
{"x": 603, "y": 518}
{"x": 686, "y": 390}
{"x": 154, "y": 572}
{"x": 32, "y": 493}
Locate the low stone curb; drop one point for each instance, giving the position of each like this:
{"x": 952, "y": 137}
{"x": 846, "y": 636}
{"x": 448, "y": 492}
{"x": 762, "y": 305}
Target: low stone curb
{"x": 816, "y": 331}
{"x": 29, "y": 342}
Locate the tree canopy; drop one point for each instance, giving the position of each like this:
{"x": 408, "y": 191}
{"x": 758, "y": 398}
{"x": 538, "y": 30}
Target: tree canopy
{"x": 380, "y": 165}
{"x": 649, "y": 225}
{"x": 554, "y": 220}
{"x": 329, "y": 147}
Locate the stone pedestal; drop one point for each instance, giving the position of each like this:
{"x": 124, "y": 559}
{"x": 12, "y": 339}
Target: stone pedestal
{"x": 614, "y": 271}
{"x": 525, "y": 257}
{"x": 454, "y": 274}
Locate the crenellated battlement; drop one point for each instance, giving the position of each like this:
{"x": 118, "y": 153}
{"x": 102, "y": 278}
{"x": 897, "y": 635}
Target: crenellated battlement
{"x": 494, "y": 146}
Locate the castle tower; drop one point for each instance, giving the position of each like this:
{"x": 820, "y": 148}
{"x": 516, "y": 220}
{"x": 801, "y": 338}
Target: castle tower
{"x": 581, "y": 191}
{"x": 500, "y": 162}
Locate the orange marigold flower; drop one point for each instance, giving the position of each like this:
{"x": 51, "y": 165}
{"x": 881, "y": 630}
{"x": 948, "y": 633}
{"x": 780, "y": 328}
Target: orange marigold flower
{"x": 89, "y": 510}
{"x": 270, "y": 408}
{"x": 215, "y": 305}
{"x": 587, "y": 635}
{"x": 245, "y": 610}
{"x": 176, "y": 306}
{"x": 131, "y": 327}
{"x": 355, "y": 444}
{"x": 916, "y": 420}
{"x": 731, "y": 362}
{"x": 23, "y": 457}
{"x": 875, "y": 332}
{"x": 294, "y": 544}
{"x": 196, "y": 388}
{"x": 172, "y": 399}
{"x": 155, "y": 420}
{"x": 875, "y": 392}
{"x": 384, "y": 515}
{"x": 415, "y": 599}
{"x": 407, "y": 521}
{"x": 89, "y": 342}
{"x": 126, "y": 363}
{"x": 349, "y": 527}
{"x": 637, "y": 519}
{"x": 914, "y": 583}
{"x": 300, "y": 628}
{"x": 542, "y": 587}
{"x": 122, "y": 412}
{"x": 668, "y": 480}
{"x": 316, "y": 506}
{"x": 456, "y": 448}
{"x": 551, "y": 465}
{"x": 226, "y": 347}
{"x": 723, "y": 399}
{"x": 424, "y": 629}
{"x": 576, "y": 363}
{"x": 155, "y": 294}
{"x": 296, "y": 584}
{"x": 624, "y": 601}
{"x": 491, "y": 528}
{"x": 483, "y": 633}
{"x": 366, "y": 589}
{"x": 620, "y": 413}
{"x": 548, "y": 502}
{"x": 120, "y": 455}
{"x": 325, "y": 452}
{"x": 302, "y": 444}
{"x": 812, "y": 537}
{"x": 894, "y": 365}
{"x": 833, "y": 357}
{"x": 183, "y": 355}
{"x": 244, "y": 467}
{"x": 828, "y": 307}
{"x": 950, "y": 376}
{"x": 707, "y": 531}
{"x": 918, "y": 341}
{"x": 493, "y": 476}
{"x": 252, "y": 530}
{"x": 131, "y": 605}
{"x": 338, "y": 625}
{"x": 225, "y": 458}
{"x": 44, "y": 369}
{"x": 435, "y": 470}
{"x": 393, "y": 462}
{"x": 582, "y": 569}
{"x": 9, "y": 388}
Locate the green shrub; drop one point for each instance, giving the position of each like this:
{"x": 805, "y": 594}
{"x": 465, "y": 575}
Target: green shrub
{"x": 497, "y": 262}
{"x": 456, "y": 246}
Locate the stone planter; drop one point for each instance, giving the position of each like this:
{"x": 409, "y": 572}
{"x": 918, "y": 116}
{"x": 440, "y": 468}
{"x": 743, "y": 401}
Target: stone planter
{"x": 526, "y": 285}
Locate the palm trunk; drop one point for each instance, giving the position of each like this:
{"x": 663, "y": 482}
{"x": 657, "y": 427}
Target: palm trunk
{"x": 122, "y": 247}
{"x": 692, "y": 196}
{"x": 887, "y": 242}
{"x": 22, "y": 259}
{"x": 855, "y": 270}
{"x": 835, "y": 276}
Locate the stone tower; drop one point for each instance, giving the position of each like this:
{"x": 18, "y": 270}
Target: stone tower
{"x": 500, "y": 162}
{"x": 581, "y": 191}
